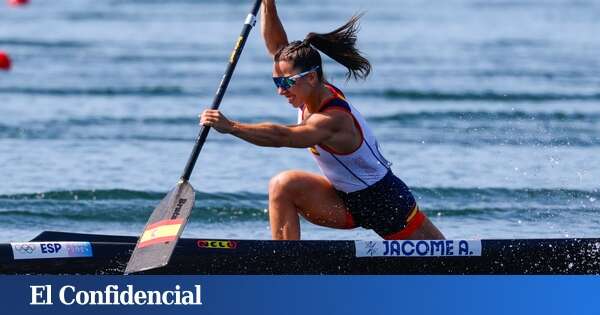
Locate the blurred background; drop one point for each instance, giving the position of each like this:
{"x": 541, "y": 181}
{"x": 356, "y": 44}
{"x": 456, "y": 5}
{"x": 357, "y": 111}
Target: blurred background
{"x": 489, "y": 110}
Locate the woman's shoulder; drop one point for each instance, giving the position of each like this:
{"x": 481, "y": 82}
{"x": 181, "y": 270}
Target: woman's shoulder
{"x": 336, "y": 101}
{"x": 334, "y": 89}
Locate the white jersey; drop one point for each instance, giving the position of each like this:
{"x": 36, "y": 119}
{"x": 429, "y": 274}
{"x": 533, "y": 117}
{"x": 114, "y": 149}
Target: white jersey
{"x": 353, "y": 171}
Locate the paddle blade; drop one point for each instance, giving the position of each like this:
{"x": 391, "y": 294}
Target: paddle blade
{"x": 155, "y": 247}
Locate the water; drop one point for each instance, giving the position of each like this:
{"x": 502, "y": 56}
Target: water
{"x": 488, "y": 109}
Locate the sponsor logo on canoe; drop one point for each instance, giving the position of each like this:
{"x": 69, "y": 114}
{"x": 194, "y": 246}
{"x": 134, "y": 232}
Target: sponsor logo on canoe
{"x": 44, "y": 250}
{"x": 217, "y": 244}
{"x": 160, "y": 232}
{"x": 418, "y": 248}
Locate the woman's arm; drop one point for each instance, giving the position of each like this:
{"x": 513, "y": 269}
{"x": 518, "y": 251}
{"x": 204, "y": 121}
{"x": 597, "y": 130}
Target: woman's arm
{"x": 317, "y": 129}
{"x": 271, "y": 28}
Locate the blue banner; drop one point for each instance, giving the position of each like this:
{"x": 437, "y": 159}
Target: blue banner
{"x": 300, "y": 294}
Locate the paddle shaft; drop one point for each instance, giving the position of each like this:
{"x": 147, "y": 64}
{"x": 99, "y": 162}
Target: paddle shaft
{"x": 235, "y": 56}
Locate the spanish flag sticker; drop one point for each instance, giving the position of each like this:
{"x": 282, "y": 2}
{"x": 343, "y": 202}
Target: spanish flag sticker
{"x": 159, "y": 232}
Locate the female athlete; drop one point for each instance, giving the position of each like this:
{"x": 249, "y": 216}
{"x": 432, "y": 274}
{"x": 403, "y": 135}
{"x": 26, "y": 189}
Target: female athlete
{"x": 357, "y": 186}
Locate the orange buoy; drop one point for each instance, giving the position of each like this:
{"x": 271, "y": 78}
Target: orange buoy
{"x": 17, "y": 3}
{"x": 4, "y": 61}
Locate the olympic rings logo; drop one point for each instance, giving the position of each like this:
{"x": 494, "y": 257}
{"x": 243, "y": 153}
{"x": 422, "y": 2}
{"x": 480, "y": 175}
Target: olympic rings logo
{"x": 24, "y": 248}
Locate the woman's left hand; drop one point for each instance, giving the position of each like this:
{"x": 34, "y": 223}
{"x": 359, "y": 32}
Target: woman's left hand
{"x": 214, "y": 118}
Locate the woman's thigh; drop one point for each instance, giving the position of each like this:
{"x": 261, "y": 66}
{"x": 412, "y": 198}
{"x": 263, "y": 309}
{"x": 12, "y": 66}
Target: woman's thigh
{"x": 314, "y": 197}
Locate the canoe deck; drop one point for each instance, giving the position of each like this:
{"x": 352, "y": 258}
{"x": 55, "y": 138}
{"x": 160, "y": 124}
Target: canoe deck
{"x": 262, "y": 257}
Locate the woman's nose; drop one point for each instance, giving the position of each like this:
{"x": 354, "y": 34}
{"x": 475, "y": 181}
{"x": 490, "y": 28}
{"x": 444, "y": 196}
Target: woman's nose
{"x": 281, "y": 91}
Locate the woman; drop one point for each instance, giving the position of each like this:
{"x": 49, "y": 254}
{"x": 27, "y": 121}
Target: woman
{"x": 357, "y": 187}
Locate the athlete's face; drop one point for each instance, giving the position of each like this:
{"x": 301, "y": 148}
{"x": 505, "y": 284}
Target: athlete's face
{"x": 297, "y": 94}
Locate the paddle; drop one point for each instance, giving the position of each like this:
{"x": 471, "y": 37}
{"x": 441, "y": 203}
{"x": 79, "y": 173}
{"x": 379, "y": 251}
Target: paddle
{"x": 155, "y": 247}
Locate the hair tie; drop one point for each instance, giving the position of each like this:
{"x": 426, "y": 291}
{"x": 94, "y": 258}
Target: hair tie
{"x": 306, "y": 42}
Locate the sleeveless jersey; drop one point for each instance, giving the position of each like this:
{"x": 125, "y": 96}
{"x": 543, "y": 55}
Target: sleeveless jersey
{"x": 353, "y": 171}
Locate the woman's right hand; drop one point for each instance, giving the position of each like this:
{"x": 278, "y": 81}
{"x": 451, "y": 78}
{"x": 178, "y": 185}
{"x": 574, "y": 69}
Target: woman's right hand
{"x": 213, "y": 118}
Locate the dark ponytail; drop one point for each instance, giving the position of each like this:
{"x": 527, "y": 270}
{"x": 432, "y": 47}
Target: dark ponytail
{"x": 339, "y": 45}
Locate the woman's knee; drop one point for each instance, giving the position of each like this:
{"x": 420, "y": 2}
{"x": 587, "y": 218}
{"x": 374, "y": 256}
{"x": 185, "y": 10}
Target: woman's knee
{"x": 286, "y": 183}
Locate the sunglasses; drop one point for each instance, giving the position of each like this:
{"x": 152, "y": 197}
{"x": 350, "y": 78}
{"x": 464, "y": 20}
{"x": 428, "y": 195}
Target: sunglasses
{"x": 287, "y": 82}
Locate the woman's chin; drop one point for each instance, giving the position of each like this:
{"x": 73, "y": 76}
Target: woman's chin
{"x": 293, "y": 102}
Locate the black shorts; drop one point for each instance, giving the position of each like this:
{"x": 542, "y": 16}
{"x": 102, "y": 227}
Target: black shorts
{"x": 383, "y": 207}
